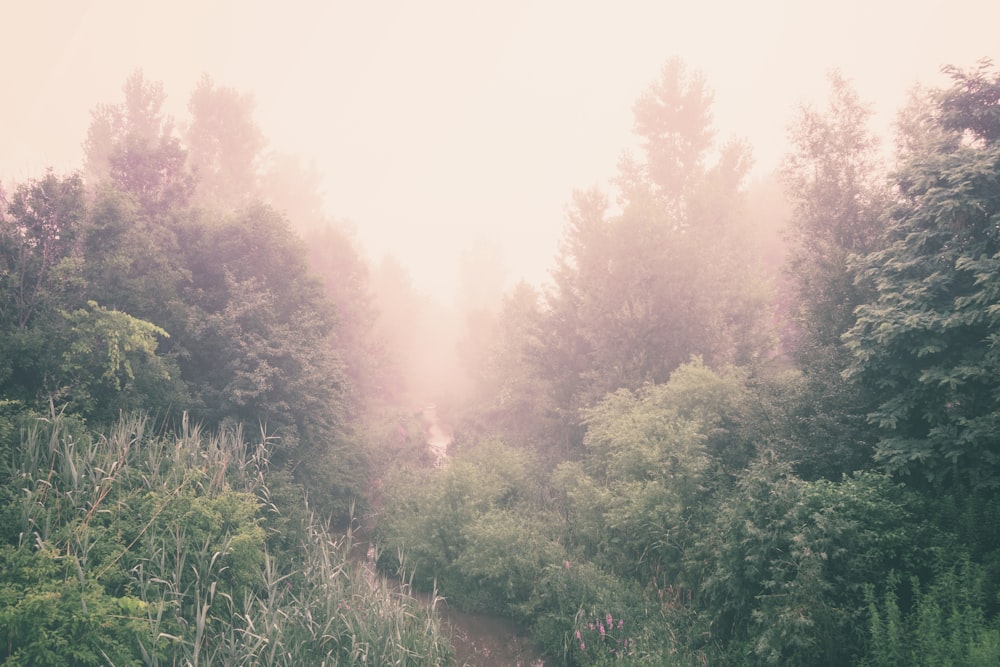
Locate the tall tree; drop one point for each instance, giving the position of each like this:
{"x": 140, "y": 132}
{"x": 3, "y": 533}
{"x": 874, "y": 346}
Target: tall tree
{"x": 637, "y": 292}
{"x": 132, "y": 145}
{"x": 258, "y": 346}
{"x": 38, "y": 280}
{"x": 834, "y": 181}
{"x": 834, "y": 178}
{"x": 38, "y": 231}
{"x": 224, "y": 145}
{"x": 928, "y": 342}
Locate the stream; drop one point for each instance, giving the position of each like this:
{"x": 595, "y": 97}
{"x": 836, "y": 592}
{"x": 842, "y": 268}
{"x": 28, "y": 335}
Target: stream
{"x": 480, "y": 640}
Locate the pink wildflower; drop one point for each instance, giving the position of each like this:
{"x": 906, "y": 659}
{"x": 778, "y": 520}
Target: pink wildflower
{"x": 567, "y": 564}
{"x": 602, "y": 629}
{"x": 578, "y": 634}
{"x": 611, "y": 621}
{"x": 583, "y": 647}
{"x": 621, "y": 624}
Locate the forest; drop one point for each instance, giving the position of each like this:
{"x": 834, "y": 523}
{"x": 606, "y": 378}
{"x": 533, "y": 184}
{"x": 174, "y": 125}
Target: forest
{"x": 729, "y": 431}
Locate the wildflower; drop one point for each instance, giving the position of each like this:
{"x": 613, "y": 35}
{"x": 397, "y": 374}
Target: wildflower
{"x": 583, "y": 647}
{"x": 566, "y": 564}
{"x": 602, "y": 629}
{"x": 621, "y": 624}
{"x": 578, "y": 635}
{"x": 611, "y": 621}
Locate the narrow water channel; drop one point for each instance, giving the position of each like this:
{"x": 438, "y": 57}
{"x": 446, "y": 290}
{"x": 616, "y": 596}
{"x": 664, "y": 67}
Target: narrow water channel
{"x": 480, "y": 640}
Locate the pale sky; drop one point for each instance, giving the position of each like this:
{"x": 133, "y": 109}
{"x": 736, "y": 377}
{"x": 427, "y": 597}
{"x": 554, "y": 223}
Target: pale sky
{"x": 438, "y": 124}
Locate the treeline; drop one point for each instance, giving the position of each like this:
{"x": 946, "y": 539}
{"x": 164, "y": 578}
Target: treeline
{"x": 169, "y": 278}
{"x": 675, "y": 453}
{"x": 185, "y": 374}
{"x": 678, "y": 456}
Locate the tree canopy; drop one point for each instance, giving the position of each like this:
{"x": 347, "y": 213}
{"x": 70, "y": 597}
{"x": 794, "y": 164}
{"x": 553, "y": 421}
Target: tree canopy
{"x": 928, "y": 340}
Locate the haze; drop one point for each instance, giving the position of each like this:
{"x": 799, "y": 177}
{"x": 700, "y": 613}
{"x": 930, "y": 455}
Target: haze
{"x": 443, "y": 129}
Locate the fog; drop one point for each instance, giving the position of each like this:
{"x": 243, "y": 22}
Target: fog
{"x": 439, "y": 127}
{"x": 448, "y": 137}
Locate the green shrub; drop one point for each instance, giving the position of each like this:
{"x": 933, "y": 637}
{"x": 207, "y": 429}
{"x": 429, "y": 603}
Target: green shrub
{"x": 945, "y": 625}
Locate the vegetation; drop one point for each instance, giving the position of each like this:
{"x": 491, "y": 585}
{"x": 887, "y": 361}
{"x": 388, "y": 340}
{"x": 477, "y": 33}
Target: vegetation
{"x": 663, "y": 458}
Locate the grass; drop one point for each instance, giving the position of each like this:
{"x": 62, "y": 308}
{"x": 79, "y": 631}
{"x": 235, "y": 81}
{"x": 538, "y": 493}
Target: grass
{"x": 184, "y": 532}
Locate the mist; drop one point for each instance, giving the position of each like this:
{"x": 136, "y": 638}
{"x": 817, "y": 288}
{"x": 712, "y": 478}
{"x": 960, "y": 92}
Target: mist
{"x": 432, "y": 127}
{"x": 627, "y": 329}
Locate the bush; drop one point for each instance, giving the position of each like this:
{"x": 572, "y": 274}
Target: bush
{"x": 946, "y": 624}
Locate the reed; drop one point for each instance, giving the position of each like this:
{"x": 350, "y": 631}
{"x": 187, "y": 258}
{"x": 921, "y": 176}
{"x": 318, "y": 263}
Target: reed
{"x": 170, "y": 531}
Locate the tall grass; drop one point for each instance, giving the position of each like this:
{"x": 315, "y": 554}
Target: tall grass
{"x": 171, "y": 539}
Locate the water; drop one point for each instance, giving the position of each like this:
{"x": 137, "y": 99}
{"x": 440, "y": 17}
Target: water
{"x": 484, "y": 640}
{"x": 480, "y": 640}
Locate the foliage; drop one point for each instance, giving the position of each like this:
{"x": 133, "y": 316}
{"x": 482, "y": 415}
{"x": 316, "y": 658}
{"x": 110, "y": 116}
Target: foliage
{"x": 510, "y": 395}
{"x": 810, "y": 419}
{"x": 224, "y": 145}
{"x": 832, "y": 175}
{"x": 133, "y": 548}
{"x": 638, "y": 292}
{"x": 132, "y": 146}
{"x": 37, "y": 233}
{"x": 707, "y": 509}
{"x": 49, "y": 616}
{"x": 455, "y": 526}
{"x": 653, "y": 457}
{"x": 835, "y": 181}
{"x": 110, "y": 353}
{"x": 563, "y": 595}
{"x": 926, "y": 343}
{"x": 786, "y": 564}
{"x": 945, "y": 624}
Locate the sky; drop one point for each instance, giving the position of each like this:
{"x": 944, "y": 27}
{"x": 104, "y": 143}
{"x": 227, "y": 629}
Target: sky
{"x": 440, "y": 126}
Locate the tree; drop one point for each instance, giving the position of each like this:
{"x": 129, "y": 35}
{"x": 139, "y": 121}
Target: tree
{"x": 39, "y": 280}
{"x": 510, "y": 395}
{"x": 258, "y": 347}
{"x": 928, "y": 342}
{"x": 637, "y": 292}
{"x": 224, "y": 145}
{"x": 133, "y": 146}
{"x": 38, "y": 233}
{"x": 833, "y": 177}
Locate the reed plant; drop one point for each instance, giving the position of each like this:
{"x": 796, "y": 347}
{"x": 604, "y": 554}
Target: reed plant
{"x": 133, "y": 547}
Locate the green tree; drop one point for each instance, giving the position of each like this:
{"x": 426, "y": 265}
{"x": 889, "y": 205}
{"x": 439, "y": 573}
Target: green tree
{"x": 39, "y": 280}
{"x": 928, "y": 342}
{"x": 783, "y": 569}
{"x": 511, "y": 396}
{"x": 653, "y": 457}
{"x": 834, "y": 180}
{"x": 224, "y": 145}
{"x": 38, "y": 231}
{"x": 110, "y": 364}
{"x": 636, "y": 293}
{"x": 132, "y": 145}
{"x": 258, "y": 347}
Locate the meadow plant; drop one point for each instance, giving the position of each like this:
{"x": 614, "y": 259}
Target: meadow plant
{"x": 604, "y": 639}
{"x": 136, "y": 548}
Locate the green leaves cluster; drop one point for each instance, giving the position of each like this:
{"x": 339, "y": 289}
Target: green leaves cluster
{"x": 666, "y": 275}
{"x": 926, "y": 343}
{"x": 133, "y": 548}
